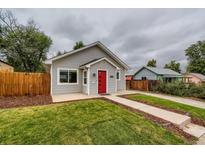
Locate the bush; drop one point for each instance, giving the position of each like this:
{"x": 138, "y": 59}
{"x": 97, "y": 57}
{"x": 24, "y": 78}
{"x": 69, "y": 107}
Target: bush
{"x": 181, "y": 89}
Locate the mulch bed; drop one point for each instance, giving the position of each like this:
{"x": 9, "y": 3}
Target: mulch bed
{"x": 193, "y": 119}
{"x": 22, "y": 101}
{"x": 167, "y": 125}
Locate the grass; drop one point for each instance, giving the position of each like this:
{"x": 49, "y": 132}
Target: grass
{"x": 193, "y": 111}
{"x": 85, "y": 122}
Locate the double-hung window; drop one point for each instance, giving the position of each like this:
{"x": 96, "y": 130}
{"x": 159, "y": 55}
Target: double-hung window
{"x": 118, "y": 75}
{"x": 67, "y": 76}
{"x": 84, "y": 77}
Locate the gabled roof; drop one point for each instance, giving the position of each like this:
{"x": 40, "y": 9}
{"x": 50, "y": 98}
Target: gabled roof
{"x": 5, "y": 63}
{"x": 94, "y": 61}
{"x": 99, "y": 44}
{"x": 160, "y": 71}
{"x": 198, "y": 75}
{"x": 132, "y": 71}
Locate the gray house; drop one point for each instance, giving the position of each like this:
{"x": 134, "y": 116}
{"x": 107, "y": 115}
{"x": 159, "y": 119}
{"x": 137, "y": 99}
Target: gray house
{"x": 92, "y": 70}
{"x": 152, "y": 73}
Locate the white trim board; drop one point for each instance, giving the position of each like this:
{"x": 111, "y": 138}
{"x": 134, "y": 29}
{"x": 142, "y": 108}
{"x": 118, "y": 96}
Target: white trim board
{"x": 97, "y": 61}
{"x": 51, "y": 72}
{"x": 84, "y": 76}
{"x": 88, "y": 81}
{"x": 65, "y": 68}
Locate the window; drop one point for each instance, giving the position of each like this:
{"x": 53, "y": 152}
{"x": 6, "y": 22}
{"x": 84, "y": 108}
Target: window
{"x": 67, "y": 76}
{"x": 72, "y": 76}
{"x": 144, "y": 78}
{"x": 63, "y": 76}
{"x": 85, "y": 77}
{"x": 118, "y": 75}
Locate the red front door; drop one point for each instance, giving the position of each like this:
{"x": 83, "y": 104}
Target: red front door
{"x": 101, "y": 82}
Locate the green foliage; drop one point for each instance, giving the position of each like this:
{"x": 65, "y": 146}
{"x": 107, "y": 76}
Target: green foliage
{"x": 78, "y": 45}
{"x": 84, "y": 122}
{"x": 152, "y": 63}
{"x": 24, "y": 46}
{"x": 196, "y": 57}
{"x": 181, "y": 89}
{"x": 173, "y": 65}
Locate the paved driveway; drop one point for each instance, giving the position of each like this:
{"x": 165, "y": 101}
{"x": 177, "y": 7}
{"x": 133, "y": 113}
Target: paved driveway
{"x": 182, "y": 100}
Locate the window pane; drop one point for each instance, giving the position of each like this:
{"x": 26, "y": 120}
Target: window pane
{"x": 63, "y": 76}
{"x": 72, "y": 76}
{"x": 118, "y": 75}
{"x": 85, "y": 74}
{"x": 85, "y": 80}
{"x": 85, "y": 77}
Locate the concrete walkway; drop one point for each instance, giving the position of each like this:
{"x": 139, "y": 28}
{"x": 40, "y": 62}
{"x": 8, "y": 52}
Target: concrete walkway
{"x": 181, "y": 100}
{"x": 71, "y": 97}
{"x": 182, "y": 121}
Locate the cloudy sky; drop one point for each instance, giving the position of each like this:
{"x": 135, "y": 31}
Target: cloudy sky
{"x": 135, "y": 35}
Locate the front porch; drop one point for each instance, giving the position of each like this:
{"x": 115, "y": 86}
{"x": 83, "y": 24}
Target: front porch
{"x": 79, "y": 96}
{"x": 71, "y": 97}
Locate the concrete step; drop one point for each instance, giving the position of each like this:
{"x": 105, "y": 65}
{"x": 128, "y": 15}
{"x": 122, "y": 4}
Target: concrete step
{"x": 194, "y": 130}
{"x": 201, "y": 140}
{"x": 177, "y": 119}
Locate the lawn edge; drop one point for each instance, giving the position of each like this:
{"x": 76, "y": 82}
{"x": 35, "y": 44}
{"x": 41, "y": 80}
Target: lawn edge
{"x": 193, "y": 119}
{"x": 50, "y": 103}
{"x": 165, "y": 94}
{"x": 165, "y": 124}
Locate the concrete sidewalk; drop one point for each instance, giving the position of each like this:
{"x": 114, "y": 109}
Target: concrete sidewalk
{"x": 182, "y": 121}
{"x": 175, "y": 118}
{"x": 181, "y": 100}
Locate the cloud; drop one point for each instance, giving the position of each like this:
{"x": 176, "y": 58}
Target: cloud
{"x": 135, "y": 35}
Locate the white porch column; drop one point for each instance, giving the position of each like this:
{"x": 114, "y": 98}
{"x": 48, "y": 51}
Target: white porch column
{"x": 88, "y": 82}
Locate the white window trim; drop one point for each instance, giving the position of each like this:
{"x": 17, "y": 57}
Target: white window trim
{"x": 119, "y": 75}
{"x": 68, "y": 69}
{"x": 84, "y": 76}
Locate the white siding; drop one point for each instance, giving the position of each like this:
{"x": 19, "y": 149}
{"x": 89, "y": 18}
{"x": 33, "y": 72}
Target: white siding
{"x": 145, "y": 73}
{"x": 75, "y": 61}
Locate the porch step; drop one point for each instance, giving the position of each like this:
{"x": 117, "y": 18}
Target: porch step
{"x": 194, "y": 130}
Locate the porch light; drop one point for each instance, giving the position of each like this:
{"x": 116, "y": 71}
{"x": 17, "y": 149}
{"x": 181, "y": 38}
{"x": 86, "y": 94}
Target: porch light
{"x": 94, "y": 74}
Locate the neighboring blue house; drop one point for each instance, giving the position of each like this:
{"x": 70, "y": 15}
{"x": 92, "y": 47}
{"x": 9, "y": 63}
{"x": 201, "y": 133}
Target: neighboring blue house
{"x": 152, "y": 73}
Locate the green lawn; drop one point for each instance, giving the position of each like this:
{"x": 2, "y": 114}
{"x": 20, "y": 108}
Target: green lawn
{"x": 84, "y": 122}
{"x": 193, "y": 111}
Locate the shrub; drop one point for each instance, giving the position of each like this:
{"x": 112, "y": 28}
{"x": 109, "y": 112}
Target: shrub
{"x": 181, "y": 89}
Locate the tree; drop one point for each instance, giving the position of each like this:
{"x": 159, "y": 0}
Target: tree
{"x": 173, "y": 65}
{"x": 152, "y": 63}
{"x": 196, "y": 57}
{"x": 24, "y": 46}
{"x": 59, "y": 53}
{"x": 78, "y": 45}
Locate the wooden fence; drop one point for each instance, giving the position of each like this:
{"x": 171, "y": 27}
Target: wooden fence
{"x": 144, "y": 85}
{"x": 19, "y": 83}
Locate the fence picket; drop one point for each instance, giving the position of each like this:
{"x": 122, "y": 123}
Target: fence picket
{"x": 145, "y": 85}
{"x": 20, "y": 83}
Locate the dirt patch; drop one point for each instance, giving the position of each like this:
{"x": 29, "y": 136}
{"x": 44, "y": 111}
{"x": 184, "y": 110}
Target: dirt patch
{"x": 21, "y": 101}
{"x": 167, "y": 125}
{"x": 193, "y": 119}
